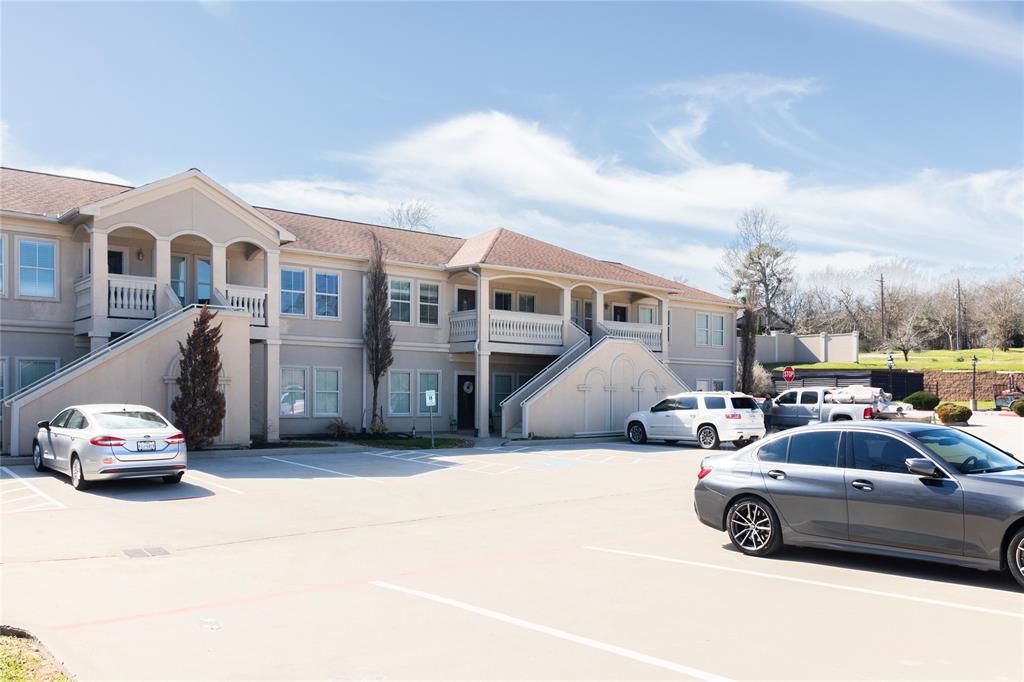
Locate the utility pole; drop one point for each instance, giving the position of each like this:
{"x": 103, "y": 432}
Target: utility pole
{"x": 881, "y": 283}
{"x": 958, "y": 342}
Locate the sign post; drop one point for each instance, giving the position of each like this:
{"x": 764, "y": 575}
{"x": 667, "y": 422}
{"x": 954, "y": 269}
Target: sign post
{"x": 788, "y": 374}
{"x": 430, "y": 397}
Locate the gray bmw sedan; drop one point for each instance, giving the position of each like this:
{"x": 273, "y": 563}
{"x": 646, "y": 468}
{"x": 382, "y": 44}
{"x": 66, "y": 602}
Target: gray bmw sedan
{"x": 905, "y": 490}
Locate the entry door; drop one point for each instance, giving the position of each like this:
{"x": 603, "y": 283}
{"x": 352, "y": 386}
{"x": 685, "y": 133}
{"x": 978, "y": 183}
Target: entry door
{"x": 620, "y": 313}
{"x": 465, "y": 300}
{"x": 466, "y": 384}
{"x": 191, "y": 278}
{"x": 891, "y": 506}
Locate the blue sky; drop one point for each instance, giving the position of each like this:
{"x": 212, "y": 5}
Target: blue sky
{"x": 634, "y": 132}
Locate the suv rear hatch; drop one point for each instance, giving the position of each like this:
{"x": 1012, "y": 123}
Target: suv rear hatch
{"x": 750, "y": 413}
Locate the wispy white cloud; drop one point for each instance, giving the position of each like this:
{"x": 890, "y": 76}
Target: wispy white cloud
{"x": 12, "y": 154}
{"x": 81, "y": 172}
{"x": 976, "y": 28}
{"x": 489, "y": 168}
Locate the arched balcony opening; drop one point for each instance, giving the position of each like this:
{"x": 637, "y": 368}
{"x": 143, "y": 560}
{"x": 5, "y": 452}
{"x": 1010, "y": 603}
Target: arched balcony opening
{"x": 632, "y": 314}
{"x": 247, "y": 277}
{"x": 192, "y": 269}
{"x": 130, "y": 273}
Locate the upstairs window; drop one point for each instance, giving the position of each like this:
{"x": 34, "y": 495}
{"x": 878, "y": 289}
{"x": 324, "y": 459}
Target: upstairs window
{"x": 527, "y": 303}
{"x": 327, "y": 291}
{"x": 503, "y": 300}
{"x": 718, "y": 331}
{"x": 293, "y": 291}
{"x": 703, "y": 329}
{"x": 401, "y": 300}
{"x": 429, "y": 300}
{"x": 37, "y": 268}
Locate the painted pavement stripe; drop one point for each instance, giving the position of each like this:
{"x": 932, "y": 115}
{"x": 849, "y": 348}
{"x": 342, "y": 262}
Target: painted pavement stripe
{"x": 33, "y": 488}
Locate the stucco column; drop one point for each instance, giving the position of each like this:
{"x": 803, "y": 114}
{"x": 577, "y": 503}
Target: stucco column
{"x": 824, "y": 346}
{"x": 663, "y": 319}
{"x": 483, "y": 395}
{"x": 483, "y": 309}
{"x": 598, "y": 306}
{"x": 162, "y": 272}
{"x": 100, "y": 288}
{"x": 273, "y": 279}
{"x": 566, "y": 314}
{"x": 273, "y": 364}
{"x": 219, "y": 265}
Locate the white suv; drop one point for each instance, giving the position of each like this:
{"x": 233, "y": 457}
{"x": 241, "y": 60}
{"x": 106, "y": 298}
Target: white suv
{"x": 708, "y": 418}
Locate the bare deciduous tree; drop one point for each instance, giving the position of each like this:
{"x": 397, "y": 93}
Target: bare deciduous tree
{"x": 378, "y": 336}
{"x": 414, "y": 215}
{"x": 1002, "y": 311}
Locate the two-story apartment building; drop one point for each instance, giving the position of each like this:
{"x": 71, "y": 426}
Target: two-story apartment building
{"x": 99, "y": 282}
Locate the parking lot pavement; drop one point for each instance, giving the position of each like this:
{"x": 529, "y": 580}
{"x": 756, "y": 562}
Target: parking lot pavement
{"x": 569, "y": 561}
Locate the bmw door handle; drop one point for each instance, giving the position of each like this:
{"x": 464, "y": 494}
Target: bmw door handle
{"x": 861, "y": 484}
{"x": 777, "y": 475}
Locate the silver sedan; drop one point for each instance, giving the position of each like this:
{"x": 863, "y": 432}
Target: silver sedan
{"x": 101, "y": 442}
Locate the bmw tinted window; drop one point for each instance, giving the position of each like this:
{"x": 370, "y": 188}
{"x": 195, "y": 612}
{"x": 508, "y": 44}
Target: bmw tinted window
{"x": 774, "y": 451}
{"x": 687, "y": 402}
{"x": 878, "y": 452}
{"x": 968, "y": 454}
{"x": 714, "y": 403}
{"x": 818, "y": 448}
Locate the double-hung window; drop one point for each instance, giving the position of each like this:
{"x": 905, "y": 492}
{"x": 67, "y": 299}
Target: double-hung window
{"x": 703, "y": 329}
{"x": 502, "y": 390}
{"x": 429, "y": 381}
{"x": 327, "y": 290}
{"x": 400, "y": 393}
{"x": 31, "y": 370}
{"x": 718, "y": 331}
{"x": 327, "y": 392}
{"x": 293, "y": 391}
{"x": 401, "y": 300}
{"x": 527, "y": 303}
{"x": 293, "y": 291}
{"x": 429, "y": 300}
{"x": 37, "y": 268}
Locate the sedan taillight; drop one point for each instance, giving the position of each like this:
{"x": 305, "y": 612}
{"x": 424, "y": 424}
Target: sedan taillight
{"x": 176, "y": 439}
{"x": 111, "y": 441}
{"x": 704, "y": 471}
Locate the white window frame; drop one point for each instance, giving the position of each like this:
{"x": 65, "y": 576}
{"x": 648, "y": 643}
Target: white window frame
{"x": 3, "y": 264}
{"x": 305, "y": 391}
{"x": 56, "y": 268}
{"x": 31, "y": 358}
{"x": 654, "y": 314}
{"x": 420, "y": 391}
{"x": 519, "y": 301}
{"x": 706, "y": 329}
{"x": 420, "y": 304}
{"x": 710, "y": 385}
{"x": 511, "y": 300}
{"x": 317, "y": 391}
{"x": 714, "y": 318}
{"x": 411, "y": 392}
{"x": 620, "y": 305}
{"x": 409, "y": 302}
{"x": 698, "y": 382}
{"x": 495, "y": 405}
{"x": 476, "y": 303}
{"x": 329, "y": 273}
{"x": 305, "y": 291}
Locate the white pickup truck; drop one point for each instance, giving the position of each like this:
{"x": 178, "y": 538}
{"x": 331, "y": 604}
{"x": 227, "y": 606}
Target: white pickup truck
{"x": 812, "y": 404}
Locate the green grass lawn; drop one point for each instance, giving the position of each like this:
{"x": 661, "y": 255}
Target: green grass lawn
{"x": 418, "y": 443}
{"x": 1012, "y": 359}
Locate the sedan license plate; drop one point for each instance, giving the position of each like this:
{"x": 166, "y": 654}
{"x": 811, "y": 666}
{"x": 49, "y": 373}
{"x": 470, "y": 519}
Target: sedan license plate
{"x": 146, "y": 445}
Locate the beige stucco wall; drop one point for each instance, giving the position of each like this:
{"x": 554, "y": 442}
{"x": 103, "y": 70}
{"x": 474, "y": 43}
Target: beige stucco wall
{"x": 16, "y": 308}
{"x": 804, "y": 348}
{"x": 136, "y": 374}
{"x": 600, "y": 390}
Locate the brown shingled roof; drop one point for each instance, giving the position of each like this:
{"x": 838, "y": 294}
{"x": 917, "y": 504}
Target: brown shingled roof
{"x": 53, "y": 195}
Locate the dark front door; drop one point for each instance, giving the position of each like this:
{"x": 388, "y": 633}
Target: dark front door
{"x": 466, "y": 300}
{"x": 891, "y": 506}
{"x": 467, "y": 401}
{"x": 115, "y": 262}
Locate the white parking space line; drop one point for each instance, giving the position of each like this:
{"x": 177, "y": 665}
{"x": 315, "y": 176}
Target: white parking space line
{"x": 33, "y": 488}
{"x": 815, "y": 583}
{"x": 561, "y": 634}
{"x": 329, "y": 471}
{"x": 8, "y": 500}
{"x": 31, "y": 507}
{"x": 205, "y": 479}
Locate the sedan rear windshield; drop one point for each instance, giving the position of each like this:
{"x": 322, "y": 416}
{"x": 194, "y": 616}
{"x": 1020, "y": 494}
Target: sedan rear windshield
{"x": 965, "y": 453}
{"x": 743, "y": 403}
{"x": 130, "y": 420}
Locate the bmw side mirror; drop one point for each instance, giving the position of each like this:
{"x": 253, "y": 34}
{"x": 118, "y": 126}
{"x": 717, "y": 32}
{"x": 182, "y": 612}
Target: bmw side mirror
{"x": 44, "y": 424}
{"x": 921, "y": 466}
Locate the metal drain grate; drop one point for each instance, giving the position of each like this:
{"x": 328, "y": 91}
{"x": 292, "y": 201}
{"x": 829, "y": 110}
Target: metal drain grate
{"x": 144, "y": 552}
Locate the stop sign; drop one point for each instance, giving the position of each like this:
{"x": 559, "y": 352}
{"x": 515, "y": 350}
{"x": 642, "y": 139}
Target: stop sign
{"x": 788, "y": 374}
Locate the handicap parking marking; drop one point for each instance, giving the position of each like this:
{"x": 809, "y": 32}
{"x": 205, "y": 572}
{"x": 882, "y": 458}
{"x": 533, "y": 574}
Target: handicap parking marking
{"x": 34, "y": 500}
{"x": 813, "y": 583}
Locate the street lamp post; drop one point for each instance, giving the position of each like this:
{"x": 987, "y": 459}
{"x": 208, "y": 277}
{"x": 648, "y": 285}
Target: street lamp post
{"x": 890, "y": 362}
{"x": 974, "y": 383}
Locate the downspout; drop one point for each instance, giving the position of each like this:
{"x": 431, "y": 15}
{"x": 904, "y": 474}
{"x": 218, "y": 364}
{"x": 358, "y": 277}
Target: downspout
{"x": 362, "y": 413}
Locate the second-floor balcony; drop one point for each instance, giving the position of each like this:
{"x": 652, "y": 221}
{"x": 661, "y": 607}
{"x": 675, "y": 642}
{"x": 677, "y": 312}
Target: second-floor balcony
{"x": 508, "y": 327}
{"x": 647, "y": 334}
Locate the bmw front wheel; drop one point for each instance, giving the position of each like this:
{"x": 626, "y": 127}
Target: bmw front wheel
{"x": 753, "y": 527}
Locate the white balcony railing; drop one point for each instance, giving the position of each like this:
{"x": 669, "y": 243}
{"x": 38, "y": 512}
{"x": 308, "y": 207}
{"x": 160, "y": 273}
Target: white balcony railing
{"x": 253, "y": 300}
{"x": 133, "y": 297}
{"x": 462, "y": 326}
{"x": 530, "y": 328}
{"x": 647, "y": 334}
